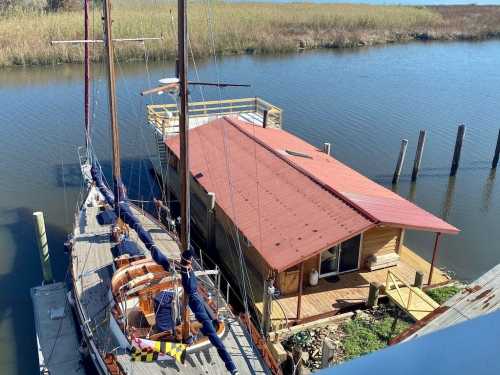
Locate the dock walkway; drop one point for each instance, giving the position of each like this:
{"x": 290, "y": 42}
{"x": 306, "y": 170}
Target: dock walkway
{"x": 409, "y": 298}
{"x": 55, "y": 331}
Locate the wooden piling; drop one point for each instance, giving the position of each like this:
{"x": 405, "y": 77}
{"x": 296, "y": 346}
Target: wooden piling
{"x": 43, "y": 247}
{"x": 419, "y": 279}
{"x": 497, "y": 152}
{"x": 327, "y": 148}
{"x": 458, "y": 150}
{"x": 401, "y": 159}
{"x": 418, "y": 155}
{"x": 327, "y": 353}
{"x": 373, "y": 294}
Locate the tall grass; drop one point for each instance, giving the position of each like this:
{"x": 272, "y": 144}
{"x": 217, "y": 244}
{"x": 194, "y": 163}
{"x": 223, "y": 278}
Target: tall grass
{"x": 238, "y": 28}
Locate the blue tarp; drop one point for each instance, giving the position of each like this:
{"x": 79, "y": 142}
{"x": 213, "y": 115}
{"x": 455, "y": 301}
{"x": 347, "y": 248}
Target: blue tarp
{"x": 106, "y": 217}
{"x": 127, "y": 246}
{"x": 190, "y": 285}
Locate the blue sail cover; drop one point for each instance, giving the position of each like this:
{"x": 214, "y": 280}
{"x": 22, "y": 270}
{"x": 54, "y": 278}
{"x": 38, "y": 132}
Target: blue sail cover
{"x": 189, "y": 281}
{"x": 190, "y": 285}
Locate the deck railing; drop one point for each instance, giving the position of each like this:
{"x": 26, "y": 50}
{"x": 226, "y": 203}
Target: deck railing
{"x": 393, "y": 282}
{"x": 165, "y": 117}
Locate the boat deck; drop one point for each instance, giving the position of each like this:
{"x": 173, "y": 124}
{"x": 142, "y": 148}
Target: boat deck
{"x": 55, "y": 331}
{"x": 92, "y": 264}
{"x": 352, "y": 288}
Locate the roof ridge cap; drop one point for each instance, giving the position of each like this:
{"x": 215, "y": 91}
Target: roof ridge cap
{"x": 327, "y": 187}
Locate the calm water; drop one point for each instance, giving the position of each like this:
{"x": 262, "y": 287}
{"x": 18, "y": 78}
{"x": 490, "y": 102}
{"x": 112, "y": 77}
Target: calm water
{"x": 363, "y": 102}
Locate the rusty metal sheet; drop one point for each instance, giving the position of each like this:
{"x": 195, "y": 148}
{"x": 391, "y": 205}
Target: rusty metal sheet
{"x": 479, "y": 298}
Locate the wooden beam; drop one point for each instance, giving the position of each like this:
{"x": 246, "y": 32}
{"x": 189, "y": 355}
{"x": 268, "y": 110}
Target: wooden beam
{"x": 299, "y": 299}
{"x": 434, "y": 254}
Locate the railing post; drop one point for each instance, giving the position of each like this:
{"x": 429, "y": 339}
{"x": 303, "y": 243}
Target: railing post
{"x": 267, "y": 306}
{"x": 373, "y": 294}
{"x": 264, "y": 118}
{"x": 327, "y": 147}
{"x": 419, "y": 279}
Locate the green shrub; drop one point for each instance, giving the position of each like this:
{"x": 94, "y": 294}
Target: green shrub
{"x": 365, "y": 336}
{"x": 443, "y": 294}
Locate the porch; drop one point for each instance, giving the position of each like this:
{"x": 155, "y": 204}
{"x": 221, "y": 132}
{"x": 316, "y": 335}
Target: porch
{"x": 327, "y": 298}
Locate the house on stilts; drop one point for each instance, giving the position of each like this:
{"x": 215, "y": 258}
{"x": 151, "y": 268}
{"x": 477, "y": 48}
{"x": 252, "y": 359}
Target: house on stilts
{"x": 315, "y": 229}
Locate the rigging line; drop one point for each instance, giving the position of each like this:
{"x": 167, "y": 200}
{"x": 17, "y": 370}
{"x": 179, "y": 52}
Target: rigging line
{"x": 242, "y": 263}
{"x": 148, "y": 75}
{"x": 64, "y": 194}
{"x": 135, "y": 111}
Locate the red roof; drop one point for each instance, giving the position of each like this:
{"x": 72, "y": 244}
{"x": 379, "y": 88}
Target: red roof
{"x": 291, "y": 207}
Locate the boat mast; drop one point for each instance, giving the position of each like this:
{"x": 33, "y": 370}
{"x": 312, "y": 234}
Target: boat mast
{"x": 115, "y": 135}
{"x": 184, "y": 153}
{"x": 86, "y": 69}
{"x": 183, "y": 124}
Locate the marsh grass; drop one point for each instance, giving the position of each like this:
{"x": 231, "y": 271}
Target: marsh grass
{"x": 237, "y": 28}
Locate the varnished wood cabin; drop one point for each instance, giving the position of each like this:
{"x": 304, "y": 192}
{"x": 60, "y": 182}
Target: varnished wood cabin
{"x": 292, "y": 211}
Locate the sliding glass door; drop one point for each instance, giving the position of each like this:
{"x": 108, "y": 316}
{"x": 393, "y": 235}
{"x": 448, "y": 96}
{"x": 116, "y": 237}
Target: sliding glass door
{"x": 340, "y": 258}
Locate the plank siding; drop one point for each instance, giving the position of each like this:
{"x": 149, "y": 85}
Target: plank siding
{"x": 380, "y": 241}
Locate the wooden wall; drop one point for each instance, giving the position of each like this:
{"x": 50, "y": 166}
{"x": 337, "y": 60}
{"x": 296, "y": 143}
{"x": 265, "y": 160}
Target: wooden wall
{"x": 380, "y": 241}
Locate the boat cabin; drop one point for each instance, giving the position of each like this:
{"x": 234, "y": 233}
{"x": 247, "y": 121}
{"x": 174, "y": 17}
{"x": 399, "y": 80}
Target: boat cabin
{"x": 319, "y": 230}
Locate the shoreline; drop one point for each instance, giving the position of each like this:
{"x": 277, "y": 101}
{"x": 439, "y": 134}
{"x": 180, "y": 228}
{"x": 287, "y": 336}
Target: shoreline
{"x": 247, "y": 29}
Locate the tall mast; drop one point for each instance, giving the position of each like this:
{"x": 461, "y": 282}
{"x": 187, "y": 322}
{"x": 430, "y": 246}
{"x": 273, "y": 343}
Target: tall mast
{"x": 115, "y": 135}
{"x": 86, "y": 71}
{"x": 183, "y": 123}
{"x": 184, "y": 153}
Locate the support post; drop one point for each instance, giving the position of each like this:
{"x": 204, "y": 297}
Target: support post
{"x": 299, "y": 298}
{"x": 43, "y": 247}
{"x": 327, "y": 353}
{"x": 327, "y": 148}
{"x": 264, "y": 118}
{"x": 401, "y": 159}
{"x": 267, "y": 306}
{"x": 419, "y": 279}
{"x": 373, "y": 294}
{"x": 211, "y": 222}
{"x": 418, "y": 155}
{"x": 458, "y": 150}
{"x": 434, "y": 254}
{"x": 494, "y": 163}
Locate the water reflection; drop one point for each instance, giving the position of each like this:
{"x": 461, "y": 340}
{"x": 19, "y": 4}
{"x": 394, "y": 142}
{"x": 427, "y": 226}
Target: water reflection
{"x": 448, "y": 198}
{"x": 488, "y": 188}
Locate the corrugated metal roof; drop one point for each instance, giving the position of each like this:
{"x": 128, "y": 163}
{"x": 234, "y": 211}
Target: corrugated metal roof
{"x": 479, "y": 298}
{"x": 376, "y": 201}
{"x": 283, "y": 213}
{"x": 288, "y": 198}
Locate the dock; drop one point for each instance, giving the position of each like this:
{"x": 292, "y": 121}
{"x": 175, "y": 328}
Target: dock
{"x": 57, "y": 340}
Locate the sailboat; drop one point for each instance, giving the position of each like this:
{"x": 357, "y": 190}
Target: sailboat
{"x": 143, "y": 302}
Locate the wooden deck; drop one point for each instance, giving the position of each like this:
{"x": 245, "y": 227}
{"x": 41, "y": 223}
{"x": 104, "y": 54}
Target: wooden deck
{"x": 351, "y": 288}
